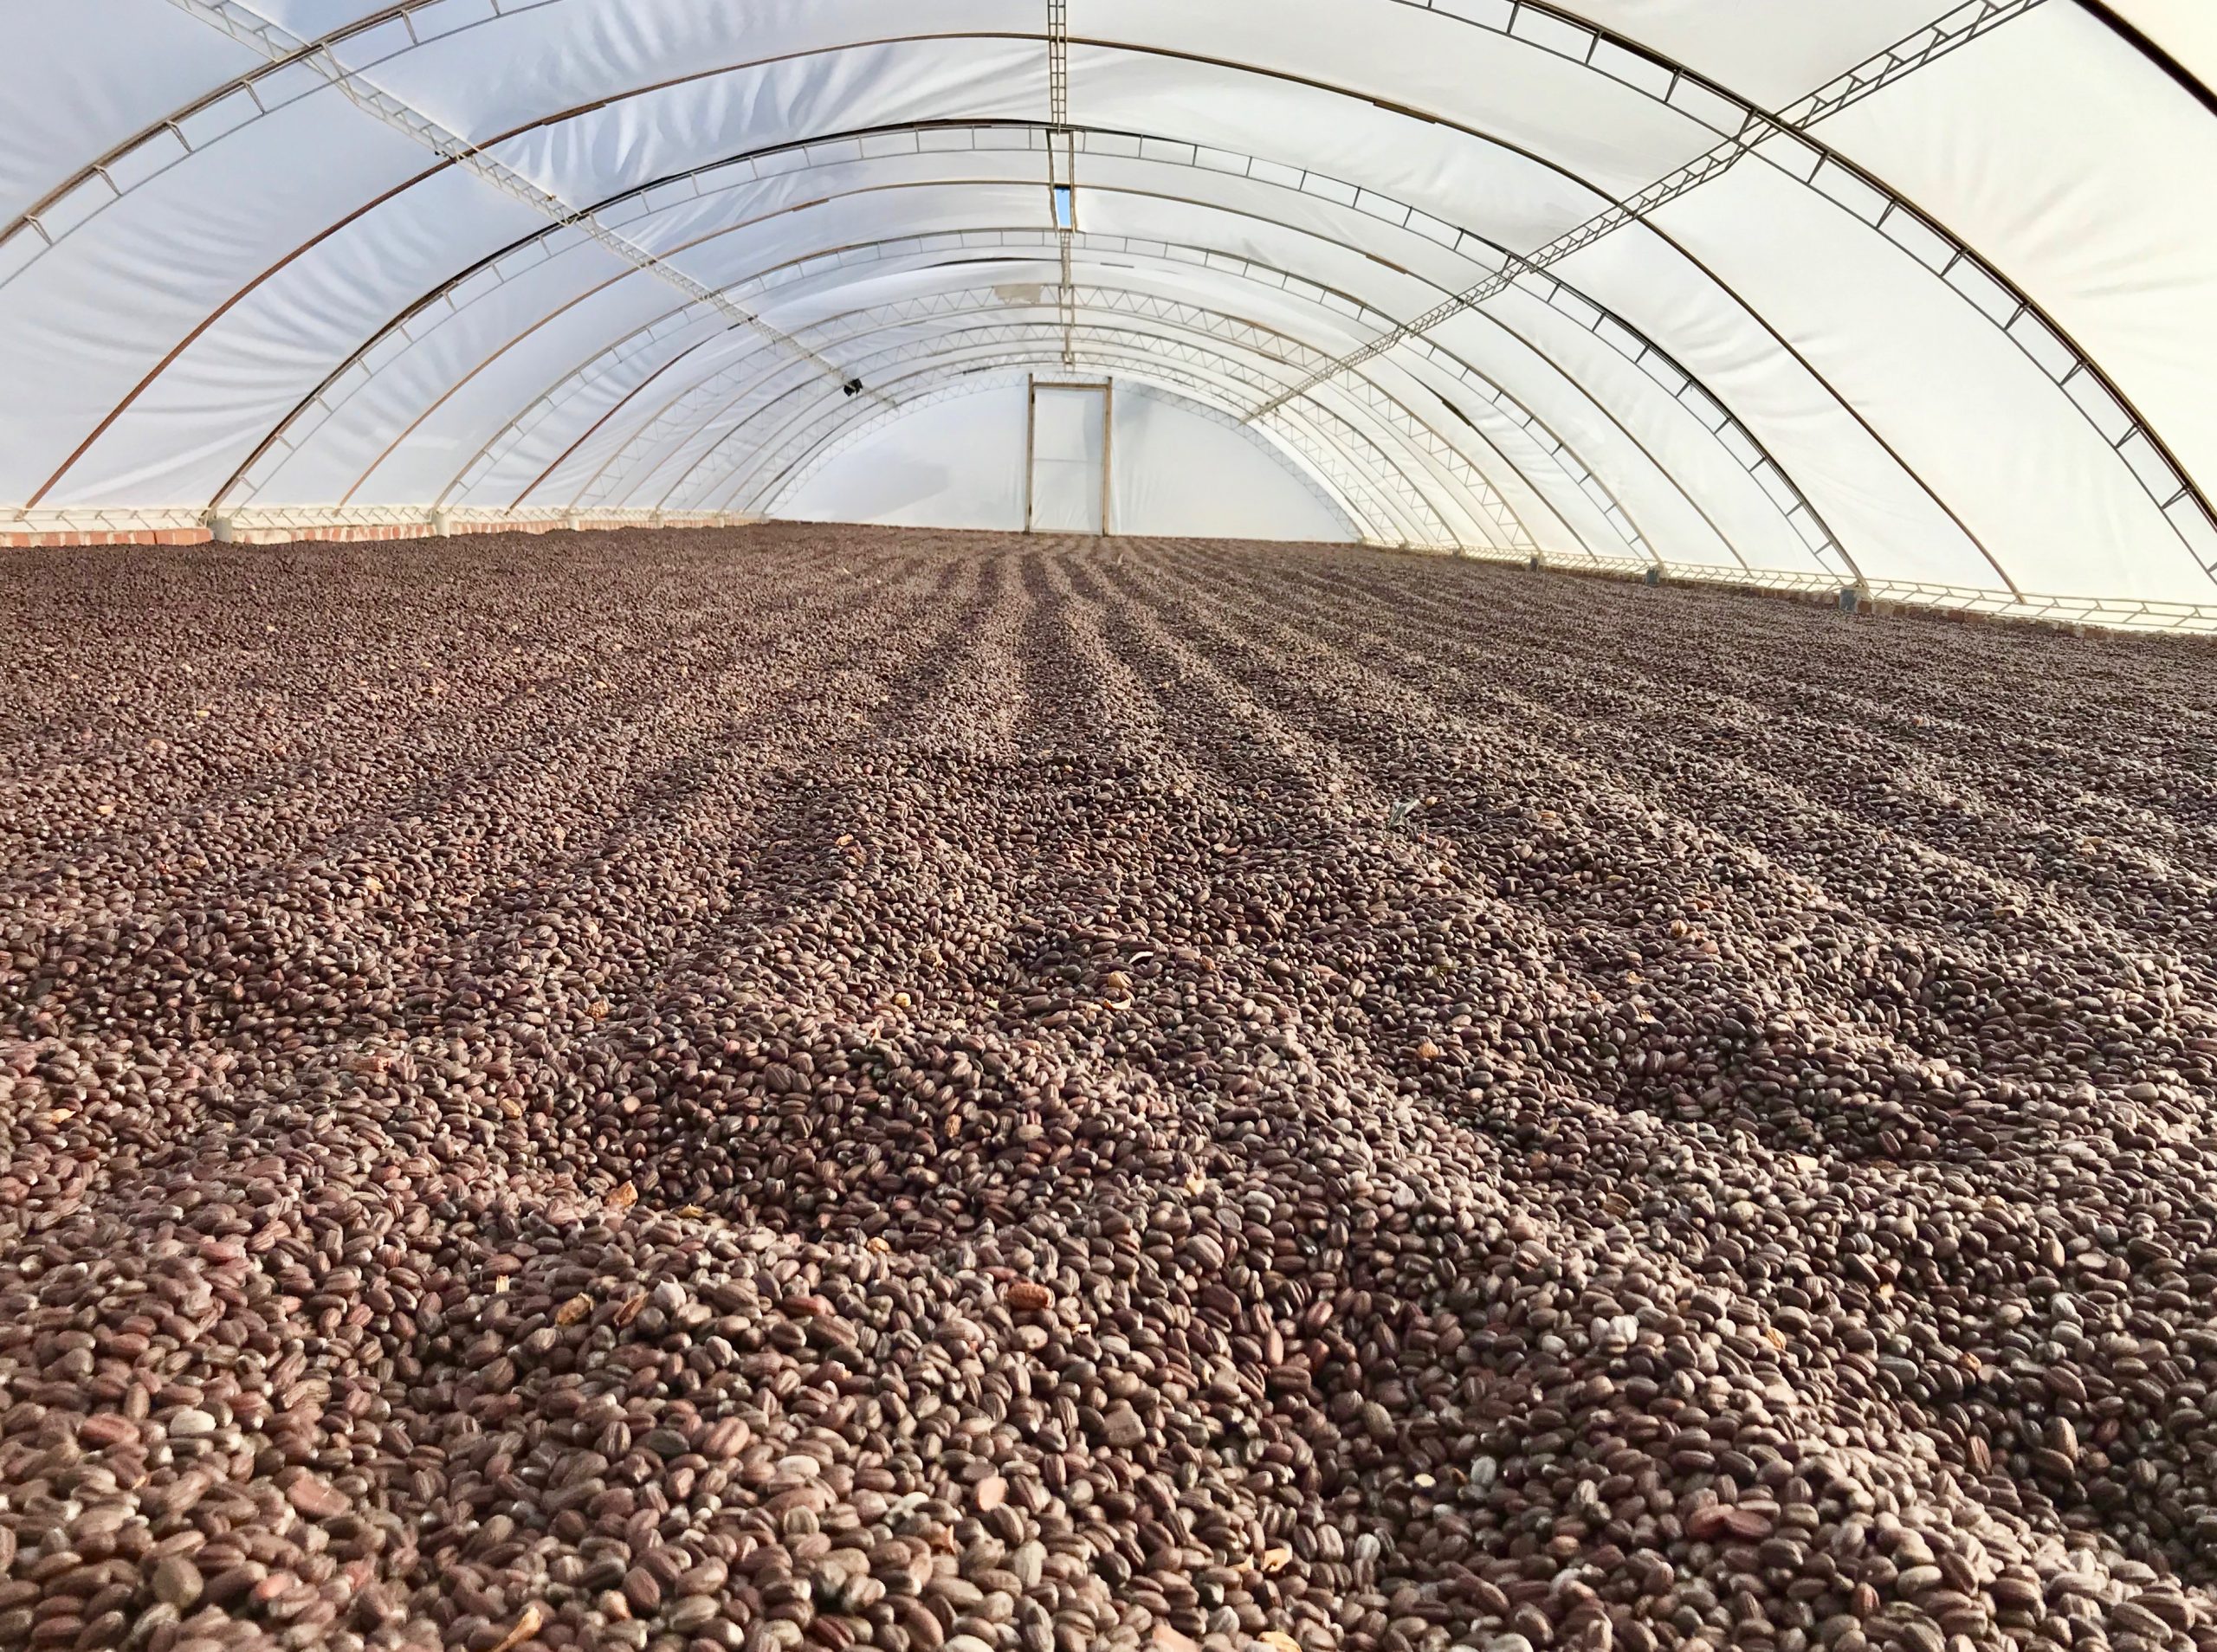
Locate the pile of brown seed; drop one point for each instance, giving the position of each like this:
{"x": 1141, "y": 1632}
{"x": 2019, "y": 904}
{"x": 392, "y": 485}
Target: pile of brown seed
{"x": 836, "y": 1088}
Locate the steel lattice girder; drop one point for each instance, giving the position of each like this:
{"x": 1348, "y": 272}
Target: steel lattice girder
{"x": 1575, "y": 471}
{"x": 1388, "y": 487}
{"x": 1758, "y": 133}
{"x": 1735, "y": 439}
{"x": 1493, "y": 398}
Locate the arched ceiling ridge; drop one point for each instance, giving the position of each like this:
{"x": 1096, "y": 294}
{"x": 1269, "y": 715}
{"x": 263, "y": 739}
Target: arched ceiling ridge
{"x": 1220, "y": 262}
{"x": 1678, "y": 80}
{"x": 778, "y": 366}
{"x": 1360, "y": 470}
{"x": 1482, "y": 390}
{"x": 1655, "y": 361}
{"x": 1783, "y": 141}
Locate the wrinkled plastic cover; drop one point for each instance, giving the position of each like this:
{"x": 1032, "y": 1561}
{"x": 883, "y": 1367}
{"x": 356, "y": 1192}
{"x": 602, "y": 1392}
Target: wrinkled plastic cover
{"x": 1959, "y": 332}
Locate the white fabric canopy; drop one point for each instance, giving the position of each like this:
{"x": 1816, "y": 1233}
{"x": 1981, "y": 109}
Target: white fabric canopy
{"x": 1888, "y": 293}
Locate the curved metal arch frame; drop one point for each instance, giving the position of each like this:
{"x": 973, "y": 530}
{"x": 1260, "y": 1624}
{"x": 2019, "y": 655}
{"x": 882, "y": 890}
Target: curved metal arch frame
{"x": 767, "y": 471}
{"x": 1186, "y": 323}
{"x": 1503, "y": 18}
{"x": 1796, "y": 140}
{"x": 1383, "y": 404}
{"x": 1566, "y": 174}
{"x": 1580, "y": 475}
{"x": 1421, "y": 513}
{"x": 754, "y": 357}
{"x": 2202, "y": 91}
{"x": 615, "y": 279}
{"x": 1747, "y": 453}
{"x": 780, "y": 366}
{"x": 1114, "y": 356}
{"x": 2155, "y": 470}
{"x": 1756, "y": 462}
{"x": 1741, "y": 444}
{"x": 1098, "y": 296}
{"x": 859, "y": 421}
{"x": 1407, "y": 516}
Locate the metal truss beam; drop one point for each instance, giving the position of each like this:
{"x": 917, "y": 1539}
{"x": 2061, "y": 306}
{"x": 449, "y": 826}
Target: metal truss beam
{"x": 1759, "y": 130}
{"x": 1391, "y": 496}
{"x": 1738, "y": 442}
{"x": 1776, "y": 488}
{"x": 1058, "y": 136}
{"x": 239, "y": 21}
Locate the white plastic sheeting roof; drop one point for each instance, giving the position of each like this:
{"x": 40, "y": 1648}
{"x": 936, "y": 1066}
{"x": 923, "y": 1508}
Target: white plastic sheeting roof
{"x": 1839, "y": 291}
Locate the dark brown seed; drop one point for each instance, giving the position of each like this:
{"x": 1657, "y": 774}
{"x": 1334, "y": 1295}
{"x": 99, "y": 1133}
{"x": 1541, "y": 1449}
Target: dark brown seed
{"x": 317, "y": 1498}
{"x": 837, "y": 1087}
{"x": 177, "y": 1581}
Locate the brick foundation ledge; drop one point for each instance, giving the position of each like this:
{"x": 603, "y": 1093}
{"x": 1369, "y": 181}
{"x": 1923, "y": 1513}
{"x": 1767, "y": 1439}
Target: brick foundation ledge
{"x": 22, "y": 540}
{"x": 32, "y": 529}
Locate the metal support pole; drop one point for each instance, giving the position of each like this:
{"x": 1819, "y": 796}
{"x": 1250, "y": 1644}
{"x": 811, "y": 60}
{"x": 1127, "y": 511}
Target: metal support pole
{"x": 1031, "y": 446}
{"x": 1108, "y": 455}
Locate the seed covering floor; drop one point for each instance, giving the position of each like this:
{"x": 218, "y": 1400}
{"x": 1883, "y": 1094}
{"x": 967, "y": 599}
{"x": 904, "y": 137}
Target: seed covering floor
{"x": 826, "y": 1088}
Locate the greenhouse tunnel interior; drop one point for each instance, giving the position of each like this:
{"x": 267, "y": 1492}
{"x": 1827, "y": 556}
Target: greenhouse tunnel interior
{"x": 1049, "y": 825}
{"x": 1885, "y": 296}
